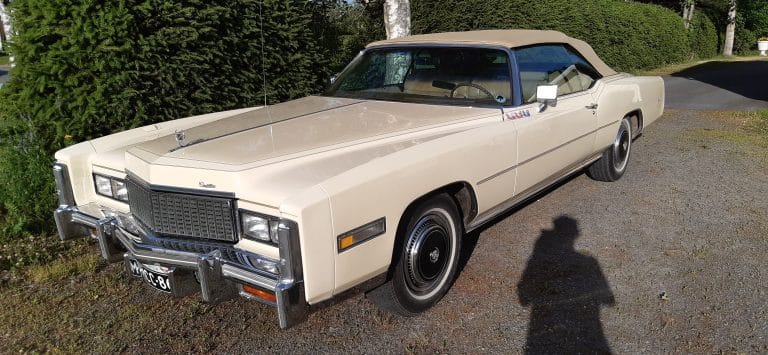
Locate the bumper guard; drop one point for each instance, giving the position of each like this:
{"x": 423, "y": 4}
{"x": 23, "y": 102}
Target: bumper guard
{"x": 218, "y": 277}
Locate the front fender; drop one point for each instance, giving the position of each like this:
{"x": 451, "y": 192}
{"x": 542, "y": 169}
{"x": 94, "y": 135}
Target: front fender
{"x": 385, "y": 187}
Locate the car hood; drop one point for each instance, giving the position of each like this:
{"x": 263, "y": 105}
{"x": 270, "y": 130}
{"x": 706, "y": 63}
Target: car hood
{"x": 268, "y": 155}
{"x": 291, "y": 129}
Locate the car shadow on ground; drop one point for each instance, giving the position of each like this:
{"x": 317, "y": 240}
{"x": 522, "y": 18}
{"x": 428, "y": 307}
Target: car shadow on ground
{"x": 471, "y": 239}
{"x": 565, "y": 291}
{"x": 563, "y": 288}
{"x": 745, "y": 78}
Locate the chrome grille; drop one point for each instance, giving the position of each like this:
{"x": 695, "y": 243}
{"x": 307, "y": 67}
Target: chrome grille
{"x": 183, "y": 214}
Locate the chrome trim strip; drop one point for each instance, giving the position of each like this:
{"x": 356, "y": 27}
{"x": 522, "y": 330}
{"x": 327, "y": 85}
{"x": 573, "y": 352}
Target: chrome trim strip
{"x": 525, "y": 195}
{"x": 266, "y": 107}
{"x": 63, "y": 185}
{"x": 500, "y": 173}
{"x": 178, "y": 190}
{"x": 160, "y": 255}
{"x": 248, "y": 277}
{"x": 541, "y": 154}
{"x": 608, "y": 124}
{"x": 558, "y": 147}
{"x": 89, "y": 221}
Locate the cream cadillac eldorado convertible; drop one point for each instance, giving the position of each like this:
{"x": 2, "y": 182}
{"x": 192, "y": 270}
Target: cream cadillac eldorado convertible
{"x": 419, "y": 140}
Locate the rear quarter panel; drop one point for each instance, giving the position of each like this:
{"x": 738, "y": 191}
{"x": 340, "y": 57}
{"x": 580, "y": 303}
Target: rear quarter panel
{"x": 623, "y": 94}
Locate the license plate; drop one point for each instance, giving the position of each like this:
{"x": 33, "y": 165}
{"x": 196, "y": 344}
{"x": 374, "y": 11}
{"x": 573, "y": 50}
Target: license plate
{"x": 157, "y": 280}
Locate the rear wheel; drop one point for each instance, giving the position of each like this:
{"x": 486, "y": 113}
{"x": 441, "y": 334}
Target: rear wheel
{"x": 612, "y": 165}
{"x": 428, "y": 258}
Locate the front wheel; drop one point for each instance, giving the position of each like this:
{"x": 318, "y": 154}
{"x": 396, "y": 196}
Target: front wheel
{"x": 612, "y": 165}
{"x": 428, "y": 259}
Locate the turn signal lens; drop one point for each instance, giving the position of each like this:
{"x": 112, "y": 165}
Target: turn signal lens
{"x": 361, "y": 234}
{"x": 259, "y": 293}
{"x": 346, "y": 242}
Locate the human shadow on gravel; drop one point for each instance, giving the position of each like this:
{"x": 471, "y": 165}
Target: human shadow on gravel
{"x": 745, "y": 78}
{"x": 565, "y": 291}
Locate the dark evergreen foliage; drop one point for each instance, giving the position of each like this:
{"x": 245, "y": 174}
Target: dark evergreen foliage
{"x": 89, "y": 68}
{"x": 704, "y": 37}
{"x": 627, "y": 35}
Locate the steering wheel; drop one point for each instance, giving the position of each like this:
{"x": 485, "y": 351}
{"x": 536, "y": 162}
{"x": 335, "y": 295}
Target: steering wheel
{"x": 476, "y": 86}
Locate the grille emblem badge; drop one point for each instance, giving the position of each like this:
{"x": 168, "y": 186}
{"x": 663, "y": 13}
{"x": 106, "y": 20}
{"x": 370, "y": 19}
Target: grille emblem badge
{"x": 207, "y": 186}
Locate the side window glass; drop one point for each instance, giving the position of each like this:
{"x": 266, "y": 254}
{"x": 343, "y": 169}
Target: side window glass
{"x": 587, "y": 74}
{"x": 553, "y": 64}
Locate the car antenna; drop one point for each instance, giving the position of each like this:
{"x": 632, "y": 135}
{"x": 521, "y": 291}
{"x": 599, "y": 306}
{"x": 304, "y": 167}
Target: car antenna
{"x": 264, "y": 71}
{"x": 263, "y": 66}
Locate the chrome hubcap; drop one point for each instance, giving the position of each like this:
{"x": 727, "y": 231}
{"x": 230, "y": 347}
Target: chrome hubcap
{"x": 621, "y": 147}
{"x": 426, "y": 252}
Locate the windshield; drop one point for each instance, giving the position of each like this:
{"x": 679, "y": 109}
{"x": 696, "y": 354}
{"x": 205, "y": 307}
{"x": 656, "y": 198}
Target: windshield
{"x": 444, "y": 75}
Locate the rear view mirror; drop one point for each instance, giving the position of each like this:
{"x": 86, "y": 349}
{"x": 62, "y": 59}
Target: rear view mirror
{"x": 546, "y": 94}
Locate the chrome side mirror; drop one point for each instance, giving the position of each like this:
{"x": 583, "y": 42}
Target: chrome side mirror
{"x": 547, "y": 94}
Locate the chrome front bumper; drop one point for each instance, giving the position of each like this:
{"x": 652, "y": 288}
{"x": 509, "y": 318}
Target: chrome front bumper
{"x": 217, "y": 278}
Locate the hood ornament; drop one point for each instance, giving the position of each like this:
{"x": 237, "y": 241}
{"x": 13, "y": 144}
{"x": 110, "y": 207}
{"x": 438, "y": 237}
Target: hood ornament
{"x": 180, "y": 137}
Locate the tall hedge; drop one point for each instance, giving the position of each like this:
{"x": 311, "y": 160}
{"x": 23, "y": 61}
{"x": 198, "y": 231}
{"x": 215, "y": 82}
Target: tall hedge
{"x": 88, "y": 68}
{"x": 627, "y": 35}
{"x": 704, "y": 36}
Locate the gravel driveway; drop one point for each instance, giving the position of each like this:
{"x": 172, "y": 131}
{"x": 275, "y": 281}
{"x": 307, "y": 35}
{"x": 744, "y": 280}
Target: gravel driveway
{"x": 671, "y": 258}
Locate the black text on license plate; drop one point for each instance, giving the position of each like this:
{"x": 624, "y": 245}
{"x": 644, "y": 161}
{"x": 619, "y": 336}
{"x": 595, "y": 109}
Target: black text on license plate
{"x": 157, "y": 280}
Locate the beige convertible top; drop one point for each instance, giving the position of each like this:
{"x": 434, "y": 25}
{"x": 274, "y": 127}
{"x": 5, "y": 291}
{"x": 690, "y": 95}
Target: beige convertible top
{"x": 505, "y": 38}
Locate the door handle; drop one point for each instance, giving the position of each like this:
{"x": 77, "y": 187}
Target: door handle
{"x": 592, "y": 107}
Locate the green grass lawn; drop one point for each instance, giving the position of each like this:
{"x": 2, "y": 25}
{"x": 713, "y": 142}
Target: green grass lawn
{"x": 4, "y": 60}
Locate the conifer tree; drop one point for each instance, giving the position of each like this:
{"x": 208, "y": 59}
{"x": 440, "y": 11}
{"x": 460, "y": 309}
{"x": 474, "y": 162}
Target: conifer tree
{"x": 89, "y": 68}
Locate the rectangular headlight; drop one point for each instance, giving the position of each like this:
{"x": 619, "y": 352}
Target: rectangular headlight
{"x": 103, "y": 185}
{"x": 111, "y": 187}
{"x": 259, "y": 227}
{"x": 119, "y": 190}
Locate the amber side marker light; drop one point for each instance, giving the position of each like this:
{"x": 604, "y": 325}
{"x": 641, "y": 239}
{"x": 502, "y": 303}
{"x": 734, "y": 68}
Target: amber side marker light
{"x": 259, "y": 293}
{"x": 361, "y": 234}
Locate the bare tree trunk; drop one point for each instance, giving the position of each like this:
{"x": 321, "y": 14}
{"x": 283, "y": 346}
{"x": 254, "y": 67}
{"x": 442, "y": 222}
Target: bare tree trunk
{"x": 3, "y": 21}
{"x": 690, "y": 14}
{"x": 397, "y": 22}
{"x": 397, "y": 18}
{"x": 730, "y": 30}
{"x": 688, "y": 7}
